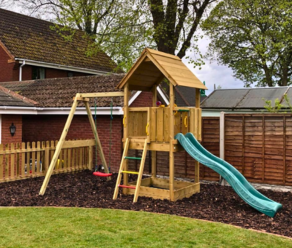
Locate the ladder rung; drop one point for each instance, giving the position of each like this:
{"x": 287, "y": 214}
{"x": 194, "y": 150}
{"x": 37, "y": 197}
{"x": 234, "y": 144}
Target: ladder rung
{"x": 136, "y": 158}
{"x": 126, "y": 186}
{"x": 131, "y": 172}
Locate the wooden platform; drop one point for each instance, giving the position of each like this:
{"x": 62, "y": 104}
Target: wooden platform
{"x": 137, "y": 144}
{"x": 158, "y": 188}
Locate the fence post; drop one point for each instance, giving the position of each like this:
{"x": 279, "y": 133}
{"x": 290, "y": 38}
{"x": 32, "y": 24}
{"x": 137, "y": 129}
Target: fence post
{"x": 90, "y": 158}
{"x": 1, "y": 164}
{"x": 47, "y": 157}
{"x": 222, "y": 142}
{"x": 12, "y": 161}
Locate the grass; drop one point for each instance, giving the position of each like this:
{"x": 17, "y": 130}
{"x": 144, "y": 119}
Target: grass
{"x": 76, "y": 227}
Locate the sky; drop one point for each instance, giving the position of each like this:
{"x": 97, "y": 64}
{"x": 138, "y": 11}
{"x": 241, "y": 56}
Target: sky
{"x": 212, "y": 73}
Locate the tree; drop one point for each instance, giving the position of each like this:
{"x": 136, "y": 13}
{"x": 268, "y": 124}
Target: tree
{"x": 254, "y": 38}
{"x": 123, "y": 28}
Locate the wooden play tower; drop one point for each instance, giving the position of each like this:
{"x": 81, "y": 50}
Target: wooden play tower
{"x": 154, "y": 128}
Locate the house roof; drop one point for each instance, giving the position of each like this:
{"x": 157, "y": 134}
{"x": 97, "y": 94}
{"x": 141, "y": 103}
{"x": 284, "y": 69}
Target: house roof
{"x": 184, "y": 96}
{"x": 59, "y": 92}
{"x": 10, "y": 98}
{"x": 25, "y": 37}
{"x": 246, "y": 98}
{"x": 153, "y": 66}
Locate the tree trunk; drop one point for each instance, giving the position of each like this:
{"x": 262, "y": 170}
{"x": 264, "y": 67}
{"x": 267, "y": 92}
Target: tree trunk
{"x": 268, "y": 75}
{"x": 284, "y": 80}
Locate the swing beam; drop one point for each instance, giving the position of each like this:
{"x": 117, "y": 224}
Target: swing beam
{"x": 84, "y": 97}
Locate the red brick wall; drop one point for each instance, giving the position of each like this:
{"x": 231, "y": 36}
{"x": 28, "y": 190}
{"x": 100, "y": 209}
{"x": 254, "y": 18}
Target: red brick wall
{"x": 143, "y": 100}
{"x": 6, "y": 69}
{"x": 7, "y": 120}
{"x": 50, "y": 73}
{"x": 10, "y": 71}
{"x": 43, "y": 128}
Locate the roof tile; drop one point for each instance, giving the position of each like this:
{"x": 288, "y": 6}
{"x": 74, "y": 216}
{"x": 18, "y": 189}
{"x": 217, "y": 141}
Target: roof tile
{"x": 59, "y": 92}
{"x": 34, "y": 39}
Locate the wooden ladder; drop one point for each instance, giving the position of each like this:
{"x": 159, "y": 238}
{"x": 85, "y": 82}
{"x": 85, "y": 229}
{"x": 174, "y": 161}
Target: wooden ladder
{"x": 140, "y": 173}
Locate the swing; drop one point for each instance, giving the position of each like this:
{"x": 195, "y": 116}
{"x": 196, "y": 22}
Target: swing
{"x": 99, "y": 173}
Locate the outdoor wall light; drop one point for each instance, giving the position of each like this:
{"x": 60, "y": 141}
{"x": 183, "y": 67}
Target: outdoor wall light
{"x": 12, "y": 129}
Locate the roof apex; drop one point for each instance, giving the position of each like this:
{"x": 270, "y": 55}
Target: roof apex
{"x": 152, "y": 66}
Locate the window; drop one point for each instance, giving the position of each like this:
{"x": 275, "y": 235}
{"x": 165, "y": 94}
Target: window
{"x": 38, "y": 72}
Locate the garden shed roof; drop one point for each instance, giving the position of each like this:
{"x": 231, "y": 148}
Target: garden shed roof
{"x": 153, "y": 66}
{"x": 246, "y": 98}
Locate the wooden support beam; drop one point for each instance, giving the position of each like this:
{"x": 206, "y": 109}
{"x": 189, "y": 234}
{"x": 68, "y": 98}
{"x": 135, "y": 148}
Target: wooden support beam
{"x": 222, "y": 141}
{"x": 97, "y": 141}
{"x": 81, "y": 99}
{"x": 153, "y": 153}
{"x": 101, "y": 94}
{"x": 126, "y": 131}
{"x": 59, "y": 147}
{"x": 198, "y": 98}
{"x": 284, "y": 151}
{"x": 171, "y": 138}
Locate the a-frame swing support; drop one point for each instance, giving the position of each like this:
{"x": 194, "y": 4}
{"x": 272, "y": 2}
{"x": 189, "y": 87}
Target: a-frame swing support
{"x": 85, "y": 99}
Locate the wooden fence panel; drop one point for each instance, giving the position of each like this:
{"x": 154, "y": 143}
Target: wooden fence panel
{"x": 262, "y": 150}
{"x": 25, "y": 160}
{"x": 210, "y": 140}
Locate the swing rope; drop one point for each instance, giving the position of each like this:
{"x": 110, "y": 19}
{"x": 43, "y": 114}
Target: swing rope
{"x": 95, "y": 122}
{"x": 98, "y": 173}
{"x": 110, "y": 143}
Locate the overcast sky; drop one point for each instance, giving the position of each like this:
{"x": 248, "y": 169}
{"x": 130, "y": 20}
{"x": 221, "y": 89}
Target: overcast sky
{"x": 211, "y": 73}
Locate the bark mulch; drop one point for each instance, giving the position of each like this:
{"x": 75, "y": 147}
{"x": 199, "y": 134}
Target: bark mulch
{"x": 214, "y": 203}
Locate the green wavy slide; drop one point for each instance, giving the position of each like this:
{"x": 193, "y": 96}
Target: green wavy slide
{"x": 237, "y": 181}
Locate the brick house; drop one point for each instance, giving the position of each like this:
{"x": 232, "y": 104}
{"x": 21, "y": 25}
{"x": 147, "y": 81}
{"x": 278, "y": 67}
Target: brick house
{"x": 39, "y": 109}
{"x": 31, "y": 49}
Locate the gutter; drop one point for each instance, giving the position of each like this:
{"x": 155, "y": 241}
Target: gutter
{"x": 20, "y": 70}
{"x": 60, "y": 67}
{"x": 58, "y": 111}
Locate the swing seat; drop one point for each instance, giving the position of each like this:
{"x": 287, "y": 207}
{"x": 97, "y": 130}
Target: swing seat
{"x": 101, "y": 174}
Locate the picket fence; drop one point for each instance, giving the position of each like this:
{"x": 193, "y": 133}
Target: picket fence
{"x": 32, "y": 159}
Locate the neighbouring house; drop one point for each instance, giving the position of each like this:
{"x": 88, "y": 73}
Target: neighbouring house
{"x": 184, "y": 96}
{"x": 30, "y": 49}
{"x": 39, "y": 109}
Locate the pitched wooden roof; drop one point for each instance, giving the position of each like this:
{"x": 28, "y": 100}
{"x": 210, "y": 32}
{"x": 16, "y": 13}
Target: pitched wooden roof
{"x": 33, "y": 39}
{"x": 153, "y": 66}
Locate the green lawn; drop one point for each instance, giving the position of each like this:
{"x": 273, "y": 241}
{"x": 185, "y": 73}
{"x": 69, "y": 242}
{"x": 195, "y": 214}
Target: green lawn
{"x": 75, "y": 227}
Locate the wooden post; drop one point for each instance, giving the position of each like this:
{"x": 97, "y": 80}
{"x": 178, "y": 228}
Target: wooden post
{"x": 22, "y": 159}
{"x": 90, "y": 158}
{"x": 243, "y": 146}
{"x": 12, "y": 159}
{"x": 33, "y": 159}
{"x": 153, "y": 153}
{"x": 98, "y": 144}
{"x": 38, "y": 157}
{"x": 1, "y": 164}
{"x": 263, "y": 148}
{"x": 198, "y": 121}
{"x": 284, "y": 153}
{"x": 222, "y": 141}
{"x": 59, "y": 147}
{"x": 126, "y": 132}
{"x": 47, "y": 157}
{"x": 171, "y": 138}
